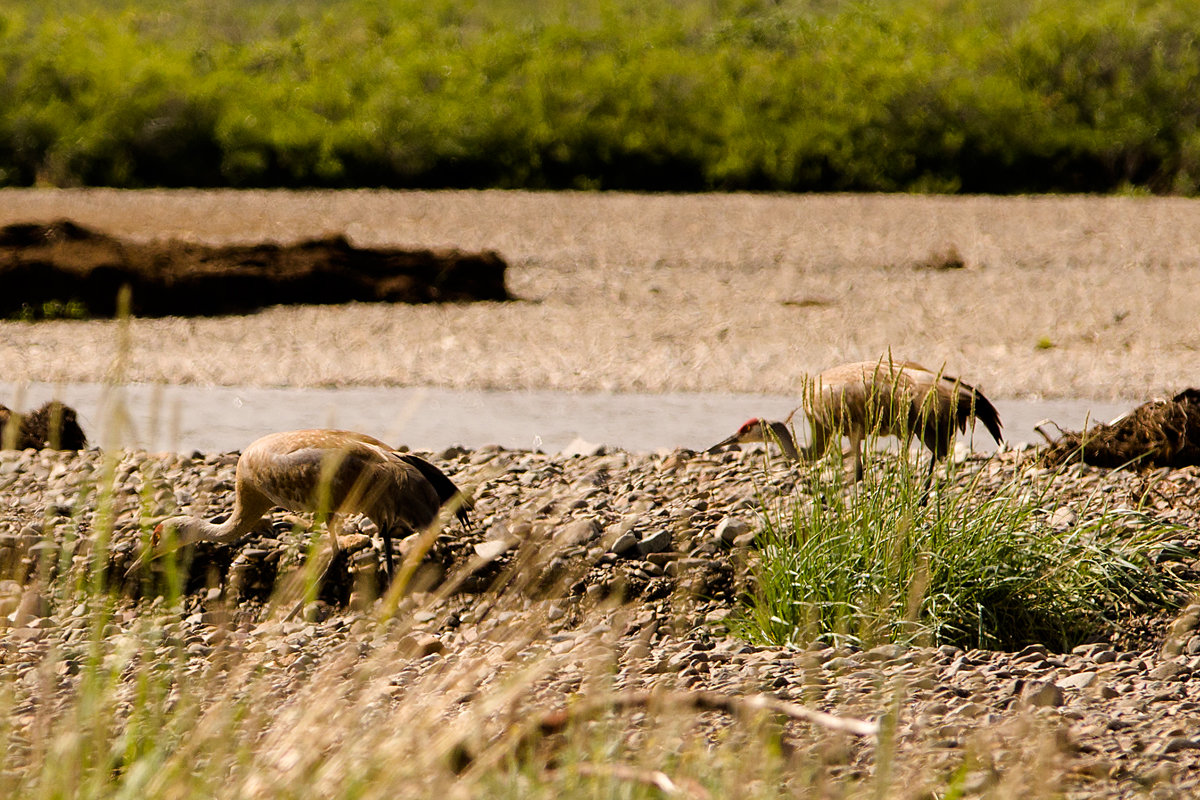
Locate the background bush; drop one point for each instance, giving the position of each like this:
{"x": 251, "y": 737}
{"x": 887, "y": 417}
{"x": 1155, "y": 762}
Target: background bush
{"x": 911, "y": 95}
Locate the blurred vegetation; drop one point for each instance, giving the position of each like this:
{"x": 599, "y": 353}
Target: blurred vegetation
{"x": 902, "y": 95}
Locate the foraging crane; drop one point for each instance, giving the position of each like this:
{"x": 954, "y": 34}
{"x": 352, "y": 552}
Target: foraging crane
{"x": 882, "y": 397}
{"x": 339, "y": 472}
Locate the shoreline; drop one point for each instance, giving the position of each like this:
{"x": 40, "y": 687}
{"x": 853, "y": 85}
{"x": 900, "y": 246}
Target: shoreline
{"x": 221, "y": 419}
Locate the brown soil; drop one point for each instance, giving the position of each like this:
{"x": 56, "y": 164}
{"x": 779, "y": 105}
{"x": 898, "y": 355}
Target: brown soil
{"x": 64, "y": 262}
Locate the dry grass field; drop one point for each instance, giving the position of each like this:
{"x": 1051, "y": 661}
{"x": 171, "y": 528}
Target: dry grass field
{"x": 1080, "y": 297}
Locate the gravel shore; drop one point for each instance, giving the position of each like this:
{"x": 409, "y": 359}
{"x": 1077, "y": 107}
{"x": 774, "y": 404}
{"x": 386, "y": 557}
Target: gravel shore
{"x": 1055, "y": 297}
{"x": 674, "y": 535}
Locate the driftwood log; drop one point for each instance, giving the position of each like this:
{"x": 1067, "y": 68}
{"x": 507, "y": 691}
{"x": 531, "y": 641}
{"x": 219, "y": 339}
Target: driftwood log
{"x": 1161, "y": 433}
{"x": 54, "y": 426}
{"x": 62, "y": 262}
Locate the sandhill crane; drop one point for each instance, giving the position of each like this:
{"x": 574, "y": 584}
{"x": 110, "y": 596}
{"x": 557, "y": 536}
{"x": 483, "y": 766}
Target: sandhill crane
{"x": 882, "y": 397}
{"x": 339, "y": 472}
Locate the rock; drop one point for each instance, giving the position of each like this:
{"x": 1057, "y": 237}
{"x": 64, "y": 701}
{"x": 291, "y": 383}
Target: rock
{"x": 683, "y": 566}
{"x": 492, "y": 549}
{"x": 1176, "y": 744}
{"x": 1170, "y": 671}
{"x": 1063, "y": 518}
{"x": 33, "y": 606}
{"x": 582, "y": 447}
{"x": 745, "y": 540}
{"x": 730, "y": 528}
{"x": 624, "y": 544}
{"x": 579, "y": 531}
{"x": 419, "y": 645}
{"x": 1041, "y": 694}
{"x": 1080, "y": 680}
{"x": 884, "y": 652}
{"x": 657, "y": 542}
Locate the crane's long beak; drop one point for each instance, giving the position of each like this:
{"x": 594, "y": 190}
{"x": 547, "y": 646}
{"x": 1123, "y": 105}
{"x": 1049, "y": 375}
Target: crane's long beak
{"x": 723, "y": 443}
{"x": 148, "y": 553}
{"x": 142, "y": 559}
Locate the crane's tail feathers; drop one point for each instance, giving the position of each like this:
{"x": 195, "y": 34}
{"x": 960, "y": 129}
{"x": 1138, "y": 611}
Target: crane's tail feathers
{"x": 986, "y": 413}
{"x": 445, "y": 488}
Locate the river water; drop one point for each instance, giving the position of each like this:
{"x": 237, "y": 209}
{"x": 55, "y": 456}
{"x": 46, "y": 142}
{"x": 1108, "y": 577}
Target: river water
{"x": 224, "y": 418}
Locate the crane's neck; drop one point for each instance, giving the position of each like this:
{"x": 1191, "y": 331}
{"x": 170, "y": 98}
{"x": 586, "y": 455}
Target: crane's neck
{"x": 248, "y": 509}
{"x": 783, "y": 437}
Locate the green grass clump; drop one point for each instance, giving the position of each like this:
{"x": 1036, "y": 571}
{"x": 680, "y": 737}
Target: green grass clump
{"x": 980, "y": 565}
{"x": 993, "y": 96}
{"x": 52, "y": 309}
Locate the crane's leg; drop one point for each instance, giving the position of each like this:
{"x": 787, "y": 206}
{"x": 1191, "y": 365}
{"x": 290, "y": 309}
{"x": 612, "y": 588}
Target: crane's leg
{"x": 332, "y": 526}
{"x": 928, "y": 480}
{"x": 386, "y": 533}
{"x": 856, "y": 446}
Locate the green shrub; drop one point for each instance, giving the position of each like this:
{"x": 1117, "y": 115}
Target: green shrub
{"x": 737, "y": 94}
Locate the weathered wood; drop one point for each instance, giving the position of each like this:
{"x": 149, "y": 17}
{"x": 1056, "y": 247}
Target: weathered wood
{"x": 63, "y": 262}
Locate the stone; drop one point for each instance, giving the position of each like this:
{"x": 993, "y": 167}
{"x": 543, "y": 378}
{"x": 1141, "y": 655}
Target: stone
{"x": 1080, "y": 680}
{"x": 492, "y": 549}
{"x": 1041, "y": 694}
{"x": 730, "y": 528}
{"x": 625, "y": 543}
{"x": 657, "y": 542}
{"x": 745, "y": 540}
{"x": 419, "y": 645}
{"x": 1170, "y": 671}
{"x": 582, "y": 447}
{"x": 33, "y": 606}
{"x": 579, "y": 531}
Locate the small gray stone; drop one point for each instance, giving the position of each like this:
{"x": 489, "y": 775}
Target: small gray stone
{"x": 745, "y": 540}
{"x": 492, "y": 549}
{"x": 576, "y": 532}
{"x": 884, "y": 652}
{"x": 683, "y": 566}
{"x": 624, "y": 544}
{"x": 1080, "y": 680}
{"x": 657, "y": 542}
{"x": 1063, "y": 518}
{"x": 1170, "y": 671}
{"x": 1041, "y": 694}
{"x": 730, "y": 528}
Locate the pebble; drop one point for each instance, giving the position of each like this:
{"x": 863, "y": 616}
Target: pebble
{"x": 657, "y": 542}
{"x": 624, "y": 544}
{"x": 730, "y": 528}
